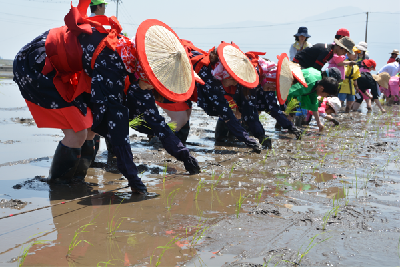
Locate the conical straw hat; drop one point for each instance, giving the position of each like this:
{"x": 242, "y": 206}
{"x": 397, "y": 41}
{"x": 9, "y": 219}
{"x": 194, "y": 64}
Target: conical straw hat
{"x": 382, "y": 79}
{"x": 165, "y": 60}
{"x": 238, "y": 65}
{"x": 297, "y": 73}
{"x": 284, "y": 78}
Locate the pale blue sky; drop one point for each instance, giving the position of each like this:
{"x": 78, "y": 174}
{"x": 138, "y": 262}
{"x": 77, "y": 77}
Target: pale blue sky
{"x": 25, "y": 19}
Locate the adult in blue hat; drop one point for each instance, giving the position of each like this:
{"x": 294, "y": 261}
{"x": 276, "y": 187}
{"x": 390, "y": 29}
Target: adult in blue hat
{"x": 301, "y": 38}
{"x": 98, "y": 8}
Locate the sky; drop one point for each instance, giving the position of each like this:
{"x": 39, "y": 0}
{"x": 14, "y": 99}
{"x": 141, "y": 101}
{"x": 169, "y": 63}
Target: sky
{"x": 23, "y": 20}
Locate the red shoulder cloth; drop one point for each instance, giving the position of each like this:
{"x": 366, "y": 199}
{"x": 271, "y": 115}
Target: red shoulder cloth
{"x": 198, "y": 60}
{"x": 64, "y": 53}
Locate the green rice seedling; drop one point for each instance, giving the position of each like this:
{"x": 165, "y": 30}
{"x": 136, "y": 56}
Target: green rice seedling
{"x": 172, "y": 125}
{"x": 264, "y": 118}
{"x": 200, "y": 230}
{"x": 309, "y": 247}
{"x": 164, "y": 175}
{"x": 336, "y": 206}
{"x": 136, "y": 122}
{"x": 239, "y": 204}
{"x": 230, "y": 173}
{"x": 325, "y": 219}
{"x": 75, "y": 240}
{"x": 25, "y": 249}
{"x": 164, "y": 248}
{"x": 259, "y": 194}
{"x": 219, "y": 178}
{"x": 171, "y": 197}
{"x": 292, "y": 106}
{"x": 106, "y": 263}
{"x": 199, "y": 233}
{"x": 114, "y": 225}
{"x": 266, "y": 263}
{"x": 214, "y": 184}
{"x": 212, "y": 178}
{"x": 200, "y": 185}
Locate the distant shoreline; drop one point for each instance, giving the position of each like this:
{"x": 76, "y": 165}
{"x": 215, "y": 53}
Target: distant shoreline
{"x": 6, "y": 68}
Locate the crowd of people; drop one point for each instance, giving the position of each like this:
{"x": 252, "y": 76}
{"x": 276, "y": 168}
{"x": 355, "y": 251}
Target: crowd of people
{"x": 89, "y": 80}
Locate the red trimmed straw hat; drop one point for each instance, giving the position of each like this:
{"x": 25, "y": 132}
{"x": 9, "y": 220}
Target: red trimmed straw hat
{"x": 284, "y": 78}
{"x": 165, "y": 60}
{"x": 297, "y": 73}
{"x": 238, "y": 65}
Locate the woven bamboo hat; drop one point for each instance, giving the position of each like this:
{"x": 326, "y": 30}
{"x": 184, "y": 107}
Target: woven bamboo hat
{"x": 284, "y": 78}
{"x": 297, "y": 73}
{"x": 237, "y": 65}
{"x": 165, "y": 60}
{"x": 382, "y": 79}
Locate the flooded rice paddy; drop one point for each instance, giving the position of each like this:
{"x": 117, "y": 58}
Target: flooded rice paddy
{"x": 331, "y": 199}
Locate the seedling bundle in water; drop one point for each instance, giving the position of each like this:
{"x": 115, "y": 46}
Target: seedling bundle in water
{"x": 25, "y": 249}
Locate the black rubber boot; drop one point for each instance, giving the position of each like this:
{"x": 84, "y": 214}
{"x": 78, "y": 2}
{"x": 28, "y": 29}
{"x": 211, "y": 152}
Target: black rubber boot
{"x": 96, "y": 140}
{"x": 87, "y": 156}
{"x": 65, "y": 162}
{"x": 221, "y": 131}
{"x": 183, "y": 133}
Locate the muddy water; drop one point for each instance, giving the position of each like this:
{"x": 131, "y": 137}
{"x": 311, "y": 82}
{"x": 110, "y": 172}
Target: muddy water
{"x": 340, "y": 188}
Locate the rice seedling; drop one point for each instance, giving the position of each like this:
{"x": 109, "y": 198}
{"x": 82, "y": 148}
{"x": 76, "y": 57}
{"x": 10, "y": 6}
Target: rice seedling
{"x": 336, "y": 206}
{"x": 25, "y": 249}
{"x": 214, "y": 184}
{"x": 219, "y": 178}
{"x": 76, "y": 241}
{"x": 171, "y": 197}
{"x": 199, "y": 233}
{"x": 259, "y": 194}
{"x": 106, "y": 263}
{"x": 292, "y": 106}
{"x": 276, "y": 264}
{"x": 326, "y": 217}
{"x": 239, "y": 204}
{"x": 200, "y": 185}
{"x": 172, "y": 125}
{"x": 230, "y": 173}
{"x": 310, "y": 245}
{"x": 114, "y": 225}
{"x": 164, "y": 175}
{"x": 264, "y": 118}
{"x": 164, "y": 248}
